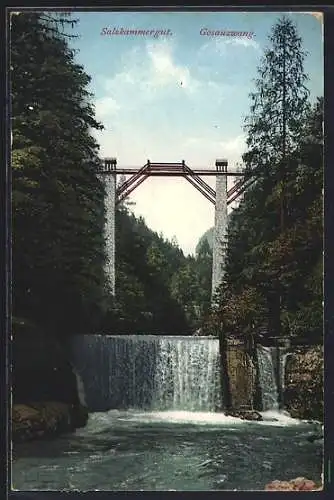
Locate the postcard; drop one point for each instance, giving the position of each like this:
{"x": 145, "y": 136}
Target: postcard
{"x": 167, "y": 186}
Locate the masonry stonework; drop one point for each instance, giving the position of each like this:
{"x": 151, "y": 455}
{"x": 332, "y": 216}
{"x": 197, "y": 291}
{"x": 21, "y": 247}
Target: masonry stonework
{"x": 109, "y": 228}
{"x": 220, "y": 233}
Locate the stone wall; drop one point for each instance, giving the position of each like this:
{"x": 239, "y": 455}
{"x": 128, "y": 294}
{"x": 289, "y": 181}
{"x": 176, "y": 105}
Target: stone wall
{"x": 303, "y": 380}
{"x": 242, "y": 376}
{"x": 303, "y": 391}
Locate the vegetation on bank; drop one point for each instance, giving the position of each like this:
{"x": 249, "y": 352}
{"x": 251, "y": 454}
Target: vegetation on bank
{"x": 273, "y": 275}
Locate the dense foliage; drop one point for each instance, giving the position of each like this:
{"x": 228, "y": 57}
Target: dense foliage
{"x": 57, "y": 198}
{"x": 273, "y": 272}
{"x": 275, "y": 238}
{"x": 159, "y": 290}
{"x": 58, "y": 208}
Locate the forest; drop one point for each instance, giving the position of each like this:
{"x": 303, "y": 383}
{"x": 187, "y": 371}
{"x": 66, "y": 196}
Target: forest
{"x": 273, "y": 278}
{"x": 274, "y": 267}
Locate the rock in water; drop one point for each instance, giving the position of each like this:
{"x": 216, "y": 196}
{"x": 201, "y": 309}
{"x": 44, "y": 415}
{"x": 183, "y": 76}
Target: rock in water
{"x": 315, "y": 438}
{"x": 245, "y": 414}
{"x": 298, "y": 484}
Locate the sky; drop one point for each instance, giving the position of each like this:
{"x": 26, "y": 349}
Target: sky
{"x": 182, "y": 96}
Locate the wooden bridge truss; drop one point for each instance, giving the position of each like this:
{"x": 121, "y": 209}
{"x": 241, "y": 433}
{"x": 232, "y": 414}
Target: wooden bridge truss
{"x": 220, "y": 198}
{"x": 193, "y": 176}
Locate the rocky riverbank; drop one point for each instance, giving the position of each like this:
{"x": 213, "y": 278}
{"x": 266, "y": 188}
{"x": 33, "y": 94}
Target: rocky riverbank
{"x": 44, "y": 420}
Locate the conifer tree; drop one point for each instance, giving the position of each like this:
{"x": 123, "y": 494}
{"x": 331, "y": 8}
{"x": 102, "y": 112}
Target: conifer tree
{"x": 57, "y": 198}
{"x": 264, "y": 267}
{"x": 279, "y": 102}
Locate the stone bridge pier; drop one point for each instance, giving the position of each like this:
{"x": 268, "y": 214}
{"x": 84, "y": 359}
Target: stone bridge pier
{"x": 220, "y": 229}
{"x": 108, "y": 177}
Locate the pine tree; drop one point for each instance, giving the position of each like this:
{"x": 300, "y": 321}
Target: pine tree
{"x": 203, "y": 266}
{"x": 278, "y": 111}
{"x": 145, "y": 266}
{"x": 264, "y": 265}
{"x": 58, "y": 200}
{"x": 279, "y": 102}
{"x": 298, "y": 250}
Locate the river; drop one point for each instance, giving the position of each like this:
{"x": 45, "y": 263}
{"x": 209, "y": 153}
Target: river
{"x": 169, "y": 450}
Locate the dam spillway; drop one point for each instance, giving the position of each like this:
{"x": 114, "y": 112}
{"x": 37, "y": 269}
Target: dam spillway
{"x": 149, "y": 371}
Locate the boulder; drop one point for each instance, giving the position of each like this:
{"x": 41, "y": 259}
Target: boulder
{"x": 244, "y": 414}
{"x": 43, "y": 420}
{"x": 315, "y": 438}
{"x": 298, "y": 484}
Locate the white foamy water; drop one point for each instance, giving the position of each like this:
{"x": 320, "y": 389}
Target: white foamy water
{"x": 187, "y": 375}
{"x": 98, "y": 421}
{"x": 149, "y": 372}
{"x": 267, "y": 378}
{"x": 186, "y": 417}
{"x": 278, "y": 418}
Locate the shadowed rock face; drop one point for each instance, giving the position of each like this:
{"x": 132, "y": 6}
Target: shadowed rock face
{"x": 303, "y": 393}
{"x": 41, "y": 371}
{"x": 44, "y": 389}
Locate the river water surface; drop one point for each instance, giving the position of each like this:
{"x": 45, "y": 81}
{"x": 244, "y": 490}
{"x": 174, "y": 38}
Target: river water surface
{"x": 133, "y": 450}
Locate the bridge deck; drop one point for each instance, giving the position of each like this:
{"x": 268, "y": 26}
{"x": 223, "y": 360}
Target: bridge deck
{"x": 180, "y": 173}
{"x": 169, "y": 169}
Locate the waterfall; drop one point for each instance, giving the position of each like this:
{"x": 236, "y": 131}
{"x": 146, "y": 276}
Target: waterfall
{"x": 187, "y": 374}
{"x": 267, "y": 375}
{"x": 267, "y": 378}
{"x": 283, "y": 359}
{"x": 149, "y": 372}
{"x": 80, "y": 388}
